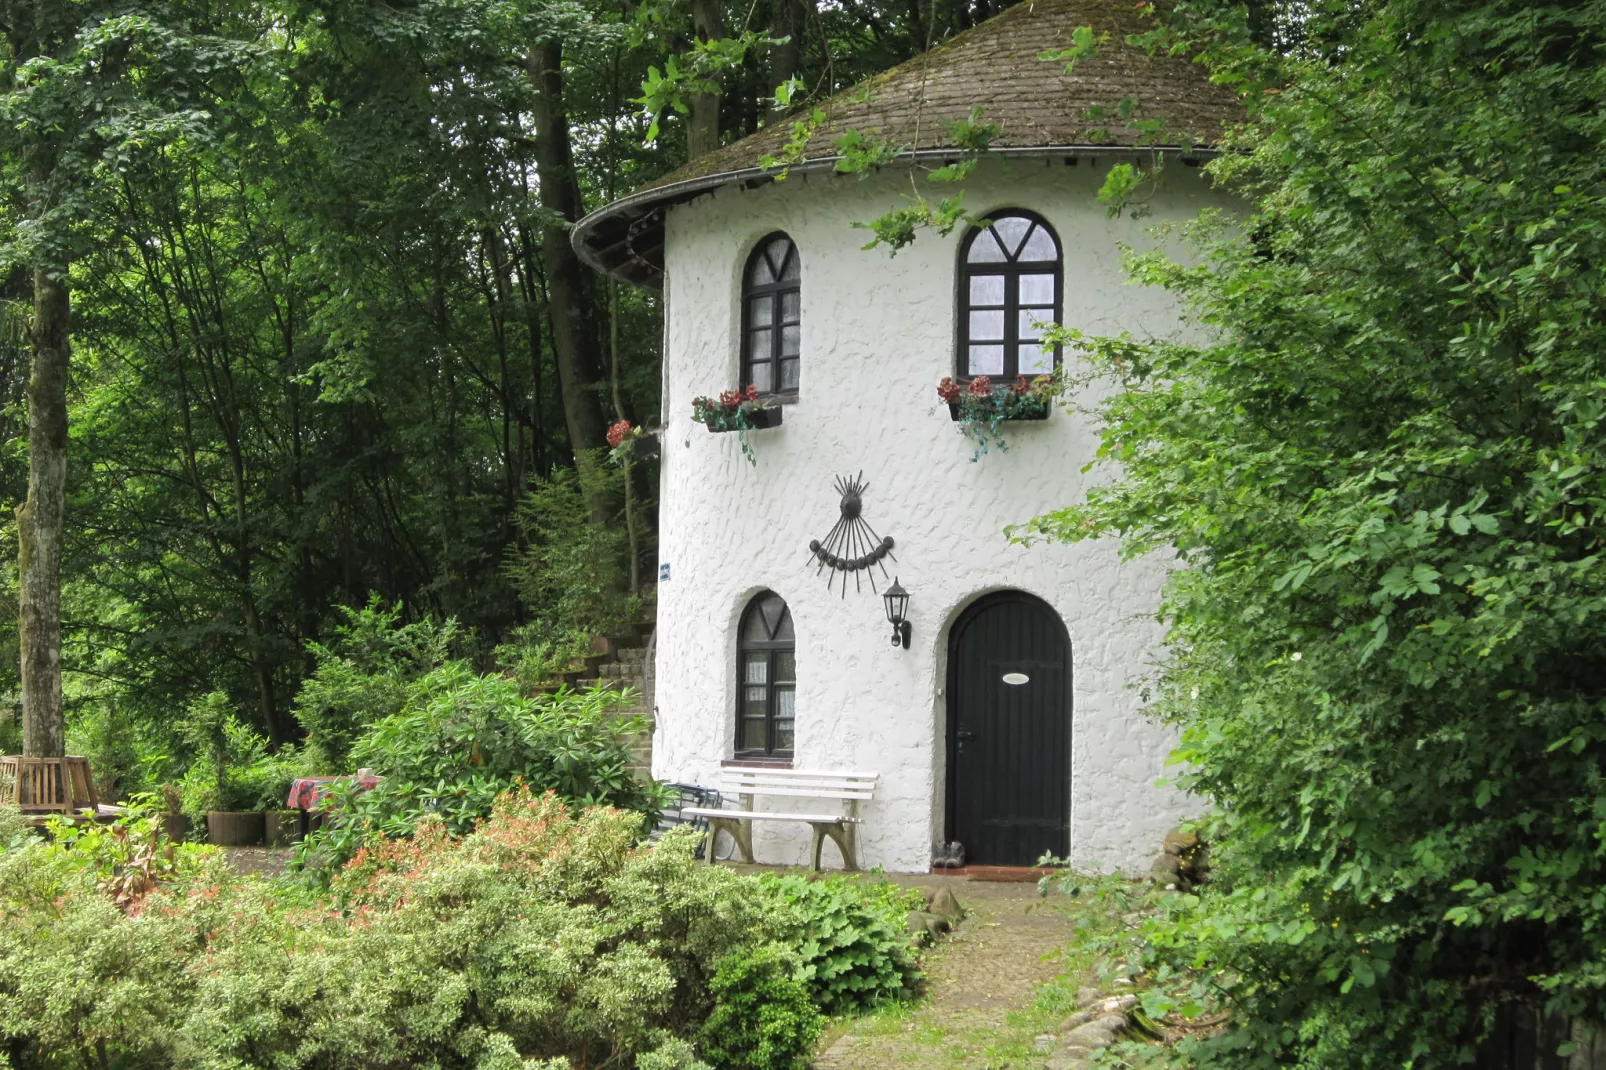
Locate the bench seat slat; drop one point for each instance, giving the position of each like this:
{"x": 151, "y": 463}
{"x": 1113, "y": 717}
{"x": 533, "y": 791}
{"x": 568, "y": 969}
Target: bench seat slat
{"x": 765, "y": 815}
{"x": 814, "y": 785}
{"x": 800, "y": 793}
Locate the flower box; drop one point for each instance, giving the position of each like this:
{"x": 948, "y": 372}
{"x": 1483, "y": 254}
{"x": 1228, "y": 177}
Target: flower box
{"x": 632, "y": 445}
{"x": 1019, "y": 412}
{"x": 758, "y": 419}
{"x": 980, "y": 407}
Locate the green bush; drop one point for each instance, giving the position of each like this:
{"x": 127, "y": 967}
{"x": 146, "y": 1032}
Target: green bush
{"x": 464, "y": 738}
{"x": 764, "y": 1018}
{"x": 849, "y": 936}
{"x": 539, "y": 936}
{"x": 1376, "y": 469}
{"x": 365, "y": 674}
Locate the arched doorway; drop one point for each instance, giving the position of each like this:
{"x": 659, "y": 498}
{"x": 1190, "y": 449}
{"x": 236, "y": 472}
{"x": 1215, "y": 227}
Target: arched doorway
{"x": 1009, "y": 731}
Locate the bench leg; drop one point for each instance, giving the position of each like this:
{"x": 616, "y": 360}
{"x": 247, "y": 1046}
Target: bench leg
{"x": 740, "y": 831}
{"x": 843, "y": 833}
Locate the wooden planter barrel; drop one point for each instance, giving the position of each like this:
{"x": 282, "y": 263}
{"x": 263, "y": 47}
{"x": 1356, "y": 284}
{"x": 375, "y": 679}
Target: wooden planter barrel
{"x": 283, "y": 827}
{"x": 235, "y": 830}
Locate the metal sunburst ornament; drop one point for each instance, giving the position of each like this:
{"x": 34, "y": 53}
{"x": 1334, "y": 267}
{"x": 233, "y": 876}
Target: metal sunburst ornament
{"x": 852, "y": 548}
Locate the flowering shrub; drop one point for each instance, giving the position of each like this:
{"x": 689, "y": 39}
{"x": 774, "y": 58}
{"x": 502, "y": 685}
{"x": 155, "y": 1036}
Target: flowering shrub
{"x": 540, "y": 939}
{"x": 981, "y": 406}
{"x": 464, "y": 738}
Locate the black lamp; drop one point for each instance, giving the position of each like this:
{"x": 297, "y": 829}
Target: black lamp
{"x": 897, "y": 612}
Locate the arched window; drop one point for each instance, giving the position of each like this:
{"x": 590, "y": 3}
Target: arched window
{"x": 771, "y": 316}
{"x": 766, "y": 678}
{"x": 1010, "y": 277}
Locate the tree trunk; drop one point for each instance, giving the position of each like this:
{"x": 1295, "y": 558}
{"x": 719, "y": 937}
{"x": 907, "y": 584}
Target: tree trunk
{"x": 570, "y": 304}
{"x": 789, "y": 20}
{"x": 702, "y": 119}
{"x": 39, "y": 521}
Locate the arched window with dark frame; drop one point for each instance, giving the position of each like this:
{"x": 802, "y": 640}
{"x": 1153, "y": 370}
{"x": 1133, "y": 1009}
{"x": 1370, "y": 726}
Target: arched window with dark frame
{"x": 772, "y": 320}
{"x": 1010, "y": 277}
{"x": 766, "y": 679}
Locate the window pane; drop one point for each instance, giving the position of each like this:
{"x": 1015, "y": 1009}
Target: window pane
{"x": 758, "y": 670}
{"x": 1011, "y": 229}
{"x": 1036, "y": 359}
{"x": 987, "y": 289}
{"x": 1040, "y": 246}
{"x": 793, "y": 267}
{"x": 789, "y": 374}
{"x": 784, "y": 702}
{"x": 987, "y": 326}
{"x": 757, "y": 697}
{"x": 783, "y": 735}
{"x": 790, "y": 302}
{"x": 753, "y": 735}
{"x": 763, "y": 376}
{"x": 986, "y": 360}
{"x": 758, "y": 272}
{"x": 758, "y": 344}
{"x": 760, "y": 310}
{"x": 1029, "y": 316}
{"x": 790, "y": 340}
{"x": 984, "y": 249}
{"x": 785, "y": 667}
{"x": 783, "y": 628}
{"x": 771, "y": 608}
{"x": 1037, "y": 289}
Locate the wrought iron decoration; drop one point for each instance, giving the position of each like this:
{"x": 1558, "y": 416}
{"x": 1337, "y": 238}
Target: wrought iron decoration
{"x": 852, "y": 548}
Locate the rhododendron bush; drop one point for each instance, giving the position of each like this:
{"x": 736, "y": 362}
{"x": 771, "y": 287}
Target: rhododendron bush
{"x": 540, "y": 939}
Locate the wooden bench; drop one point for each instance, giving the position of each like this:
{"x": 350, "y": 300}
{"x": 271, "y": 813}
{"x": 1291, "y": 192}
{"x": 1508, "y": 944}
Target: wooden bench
{"x": 850, "y": 788}
{"x": 52, "y": 787}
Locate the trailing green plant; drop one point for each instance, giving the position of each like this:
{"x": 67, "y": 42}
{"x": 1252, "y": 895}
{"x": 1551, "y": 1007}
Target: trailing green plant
{"x": 981, "y": 406}
{"x": 763, "y": 1017}
{"x": 1378, "y": 463}
{"x": 732, "y": 411}
{"x": 850, "y": 939}
{"x": 464, "y": 738}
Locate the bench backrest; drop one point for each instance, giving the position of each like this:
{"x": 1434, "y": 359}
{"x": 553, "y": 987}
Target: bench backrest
{"x": 800, "y": 783}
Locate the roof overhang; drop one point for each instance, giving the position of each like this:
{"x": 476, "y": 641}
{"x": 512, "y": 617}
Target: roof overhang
{"x": 625, "y": 239}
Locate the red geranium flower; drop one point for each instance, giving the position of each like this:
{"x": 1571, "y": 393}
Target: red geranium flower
{"x": 752, "y": 391}
{"x": 617, "y": 433}
{"x": 730, "y": 399}
{"x": 948, "y": 390}
{"x": 1021, "y": 385}
{"x": 981, "y": 386}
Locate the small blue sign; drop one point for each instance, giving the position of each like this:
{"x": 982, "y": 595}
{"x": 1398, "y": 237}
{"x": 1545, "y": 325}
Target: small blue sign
{"x": 663, "y": 571}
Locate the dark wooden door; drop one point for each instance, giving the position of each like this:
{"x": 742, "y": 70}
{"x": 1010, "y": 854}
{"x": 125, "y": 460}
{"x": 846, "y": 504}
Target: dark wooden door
{"x": 1009, "y": 731}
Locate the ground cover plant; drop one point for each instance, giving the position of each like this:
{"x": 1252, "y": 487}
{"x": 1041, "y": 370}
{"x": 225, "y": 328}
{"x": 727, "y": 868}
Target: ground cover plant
{"x": 543, "y": 938}
{"x": 1380, "y": 464}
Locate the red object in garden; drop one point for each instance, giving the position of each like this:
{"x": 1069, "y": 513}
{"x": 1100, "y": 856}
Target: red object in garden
{"x": 309, "y": 792}
{"x": 617, "y": 433}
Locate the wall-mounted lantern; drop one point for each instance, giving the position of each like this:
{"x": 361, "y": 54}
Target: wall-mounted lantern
{"x": 898, "y": 613}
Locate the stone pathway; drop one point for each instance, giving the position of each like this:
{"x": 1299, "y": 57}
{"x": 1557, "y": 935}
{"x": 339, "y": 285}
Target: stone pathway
{"x": 983, "y": 1007}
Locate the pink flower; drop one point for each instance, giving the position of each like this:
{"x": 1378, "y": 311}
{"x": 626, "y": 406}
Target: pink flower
{"x": 617, "y": 433}
{"x": 948, "y": 390}
{"x": 981, "y": 386}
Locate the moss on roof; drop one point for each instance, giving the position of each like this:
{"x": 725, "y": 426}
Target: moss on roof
{"x": 996, "y": 66}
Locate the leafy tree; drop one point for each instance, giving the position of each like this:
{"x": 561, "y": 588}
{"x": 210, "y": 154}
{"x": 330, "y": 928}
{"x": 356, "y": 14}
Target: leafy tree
{"x": 1380, "y": 462}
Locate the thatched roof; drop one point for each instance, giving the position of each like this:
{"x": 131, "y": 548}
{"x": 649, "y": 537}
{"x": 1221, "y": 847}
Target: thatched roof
{"x": 1041, "y": 109}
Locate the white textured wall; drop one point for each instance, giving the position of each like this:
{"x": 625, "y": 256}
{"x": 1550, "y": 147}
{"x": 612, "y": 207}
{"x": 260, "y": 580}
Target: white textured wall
{"x": 878, "y": 333}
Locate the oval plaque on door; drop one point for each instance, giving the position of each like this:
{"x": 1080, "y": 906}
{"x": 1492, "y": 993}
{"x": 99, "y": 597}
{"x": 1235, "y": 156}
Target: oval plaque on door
{"x": 1015, "y": 679}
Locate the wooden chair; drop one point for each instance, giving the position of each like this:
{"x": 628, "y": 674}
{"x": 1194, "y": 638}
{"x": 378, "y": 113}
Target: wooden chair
{"x": 42, "y": 787}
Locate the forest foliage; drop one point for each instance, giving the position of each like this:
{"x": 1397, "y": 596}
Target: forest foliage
{"x": 329, "y": 339}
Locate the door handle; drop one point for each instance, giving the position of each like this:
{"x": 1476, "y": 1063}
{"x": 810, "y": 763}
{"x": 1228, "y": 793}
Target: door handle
{"x": 962, "y": 736}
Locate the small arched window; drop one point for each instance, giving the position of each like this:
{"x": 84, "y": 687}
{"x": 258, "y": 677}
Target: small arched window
{"x": 1010, "y": 278}
{"x": 772, "y": 316}
{"x": 766, "y": 679}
